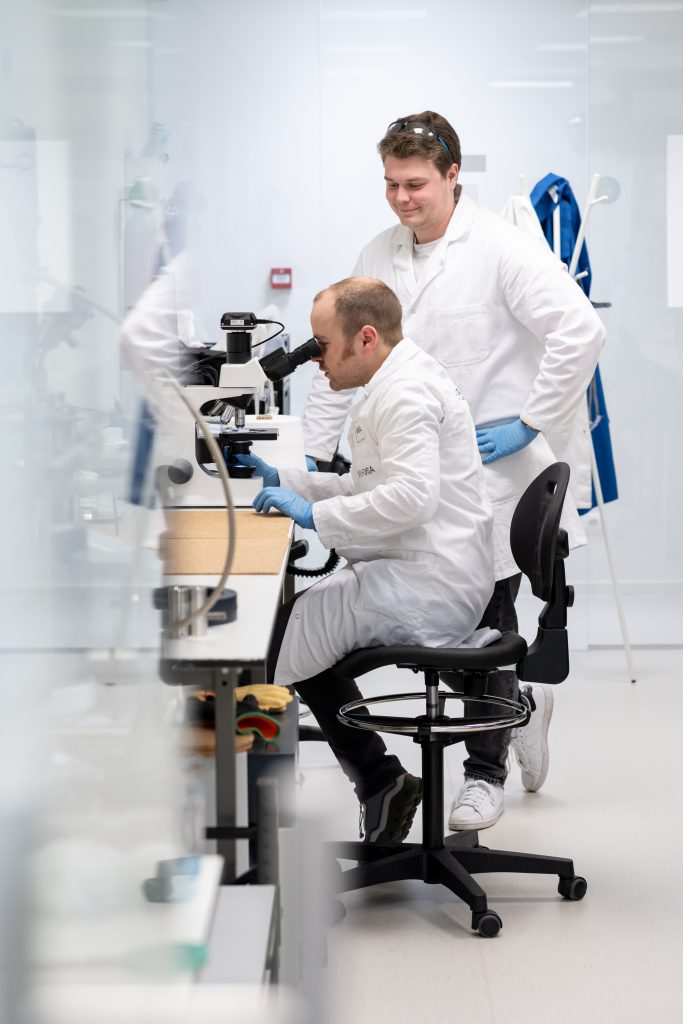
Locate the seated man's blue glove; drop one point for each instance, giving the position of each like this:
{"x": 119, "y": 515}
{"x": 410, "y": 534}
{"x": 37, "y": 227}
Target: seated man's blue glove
{"x": 284, "y": 500}
{"x": 505, "y": 439}
{"x": 271, "y": 477}
{"x": 311, "y": 464}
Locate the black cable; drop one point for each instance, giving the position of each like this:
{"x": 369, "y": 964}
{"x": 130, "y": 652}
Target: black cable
{"x": 329, "y": 566}
{"x": 281, "y": 326}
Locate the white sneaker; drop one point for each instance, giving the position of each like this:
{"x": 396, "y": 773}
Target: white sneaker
{"x": 479, "y": 804}
{"x": 530, "y": 743}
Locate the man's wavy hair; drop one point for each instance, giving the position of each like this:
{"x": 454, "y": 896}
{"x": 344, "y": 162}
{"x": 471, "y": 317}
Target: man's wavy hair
{"x": 403, "y": 143}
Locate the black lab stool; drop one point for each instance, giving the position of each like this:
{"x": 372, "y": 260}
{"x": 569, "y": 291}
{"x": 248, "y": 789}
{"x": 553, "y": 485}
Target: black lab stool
{"x": 539, "y": 547}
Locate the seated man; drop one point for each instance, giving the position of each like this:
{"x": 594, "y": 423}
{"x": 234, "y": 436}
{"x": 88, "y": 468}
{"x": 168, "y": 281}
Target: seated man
{"x": 411, "y": 519}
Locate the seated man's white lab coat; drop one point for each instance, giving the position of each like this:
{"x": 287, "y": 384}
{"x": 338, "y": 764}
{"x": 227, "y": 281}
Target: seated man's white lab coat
{"x": 411, "y": 519}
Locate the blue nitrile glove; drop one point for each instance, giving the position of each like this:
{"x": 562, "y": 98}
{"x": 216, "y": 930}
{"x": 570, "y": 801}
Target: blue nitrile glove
{"x": 505, "y": 439}
{"x": 311, "y": 464}
{"x": 284, "y": 500}
{"x": 271, "y": 477}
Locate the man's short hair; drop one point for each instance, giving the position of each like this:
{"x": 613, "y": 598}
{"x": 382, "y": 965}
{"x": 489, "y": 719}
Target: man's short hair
{"x": 361, "y": 301}
{"x": 403, "y": 143}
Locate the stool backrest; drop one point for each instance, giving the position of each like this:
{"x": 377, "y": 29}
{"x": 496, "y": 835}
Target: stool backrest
{"x": 535, "y": 528}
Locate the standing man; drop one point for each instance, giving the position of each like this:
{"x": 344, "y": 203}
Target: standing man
{"x": 521, "y": 342}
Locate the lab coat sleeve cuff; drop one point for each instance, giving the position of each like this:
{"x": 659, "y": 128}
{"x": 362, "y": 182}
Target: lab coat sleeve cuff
{"x": 330, "y": 536}
{"x": 318, "y": 452}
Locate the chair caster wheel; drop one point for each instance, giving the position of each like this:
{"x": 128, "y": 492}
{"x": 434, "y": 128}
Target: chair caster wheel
{"x": 487, "y": 924}
{"x": 336, "y": 912}
{"x": 573, "y": 888}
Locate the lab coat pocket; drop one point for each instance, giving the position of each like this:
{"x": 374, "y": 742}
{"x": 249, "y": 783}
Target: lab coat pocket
{"x": 462, "y": 334}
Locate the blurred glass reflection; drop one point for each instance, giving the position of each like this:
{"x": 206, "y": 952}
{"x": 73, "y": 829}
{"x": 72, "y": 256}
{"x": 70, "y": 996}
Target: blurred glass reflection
{"x": 93, "y": 795}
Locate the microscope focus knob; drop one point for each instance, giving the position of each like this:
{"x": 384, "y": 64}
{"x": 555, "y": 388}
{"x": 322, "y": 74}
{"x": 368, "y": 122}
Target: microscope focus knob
{"x": 180, "y": 472}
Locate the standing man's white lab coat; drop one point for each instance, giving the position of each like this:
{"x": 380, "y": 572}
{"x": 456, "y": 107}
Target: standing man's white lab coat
{"x": 516, "y": 335}
{"x": 410, "y": 519}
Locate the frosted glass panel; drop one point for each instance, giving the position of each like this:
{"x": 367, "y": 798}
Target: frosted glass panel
{"x": 636, "y": 106}
{"x": 89, "y": 778}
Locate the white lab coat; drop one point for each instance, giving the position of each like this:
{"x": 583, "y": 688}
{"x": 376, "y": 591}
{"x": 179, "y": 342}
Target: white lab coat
{"x": 410, "y": 518}
{"x": 514, "y": 332}
{"x": 519, "y": 211}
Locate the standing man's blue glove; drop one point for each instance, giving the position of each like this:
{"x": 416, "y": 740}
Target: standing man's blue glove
{"x": 505, "y": 439}
{"x": 284, "y": 500}
{"x": 311, "y": 464}
{"x": 271, "y": 477}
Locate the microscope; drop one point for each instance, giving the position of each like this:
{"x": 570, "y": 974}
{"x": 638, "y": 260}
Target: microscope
{"x": 191, "y": 480}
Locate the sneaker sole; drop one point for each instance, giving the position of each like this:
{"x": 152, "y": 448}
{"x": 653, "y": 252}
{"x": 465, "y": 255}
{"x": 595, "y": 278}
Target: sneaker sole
{"x": 405, "y": 804}
{"x": 530, "y": 784}
{"x": 472, "y": 826}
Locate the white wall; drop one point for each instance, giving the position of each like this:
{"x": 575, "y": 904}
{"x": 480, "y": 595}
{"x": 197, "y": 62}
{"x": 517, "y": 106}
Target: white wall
{"x": 290, "y": 101}
{"x": 247, "y": 99}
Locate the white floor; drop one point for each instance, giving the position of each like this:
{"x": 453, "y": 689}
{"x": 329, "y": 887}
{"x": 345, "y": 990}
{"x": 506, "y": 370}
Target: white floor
{"x": 612, "y": 802}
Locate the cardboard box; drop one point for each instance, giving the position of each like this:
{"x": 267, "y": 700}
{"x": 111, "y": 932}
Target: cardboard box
{"x": 195, "y": 542}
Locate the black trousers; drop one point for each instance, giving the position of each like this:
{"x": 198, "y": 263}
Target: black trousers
{"x": 363, "y": 755}
{"x": 487, "y": 751}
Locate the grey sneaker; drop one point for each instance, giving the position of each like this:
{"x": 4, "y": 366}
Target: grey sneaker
{"x": 530, "y": 743}
{"x": 386, "y": 817}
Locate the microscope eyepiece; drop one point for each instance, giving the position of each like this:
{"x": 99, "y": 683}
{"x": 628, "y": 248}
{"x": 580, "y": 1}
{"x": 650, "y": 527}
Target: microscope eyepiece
{"x": 309, "y": 350}
{"x": 279, "y": 364}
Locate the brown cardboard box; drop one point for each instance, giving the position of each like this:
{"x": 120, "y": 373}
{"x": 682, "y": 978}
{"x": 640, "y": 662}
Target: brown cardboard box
{"x": 196, "y": 540}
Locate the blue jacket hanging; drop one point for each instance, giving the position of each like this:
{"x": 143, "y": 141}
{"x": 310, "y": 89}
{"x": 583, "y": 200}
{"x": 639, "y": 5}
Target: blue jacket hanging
{"x": 570, "y": 221}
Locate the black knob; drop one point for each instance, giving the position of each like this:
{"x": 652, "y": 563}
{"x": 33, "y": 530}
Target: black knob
{"x": 180, "y": 472}
{"x": 298, "y": 549}
{"x": 570, "y": 597}
{"x": 235, "y": 469}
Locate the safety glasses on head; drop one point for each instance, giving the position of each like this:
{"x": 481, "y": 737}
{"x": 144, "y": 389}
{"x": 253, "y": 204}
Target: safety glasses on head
{"x": 417, "y": 128}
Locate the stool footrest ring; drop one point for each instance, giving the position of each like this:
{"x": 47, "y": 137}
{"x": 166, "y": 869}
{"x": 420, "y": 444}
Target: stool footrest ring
{"x": 515, "y": 714}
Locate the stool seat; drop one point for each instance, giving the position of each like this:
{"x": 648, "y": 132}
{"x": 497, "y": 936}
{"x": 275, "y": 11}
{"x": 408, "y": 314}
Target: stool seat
{"x": 510, "y": 649}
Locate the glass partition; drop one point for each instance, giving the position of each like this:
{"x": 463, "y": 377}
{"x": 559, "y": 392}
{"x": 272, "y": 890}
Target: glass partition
{"x": 636, "y": 117}
{"x": 90, "y": 791}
